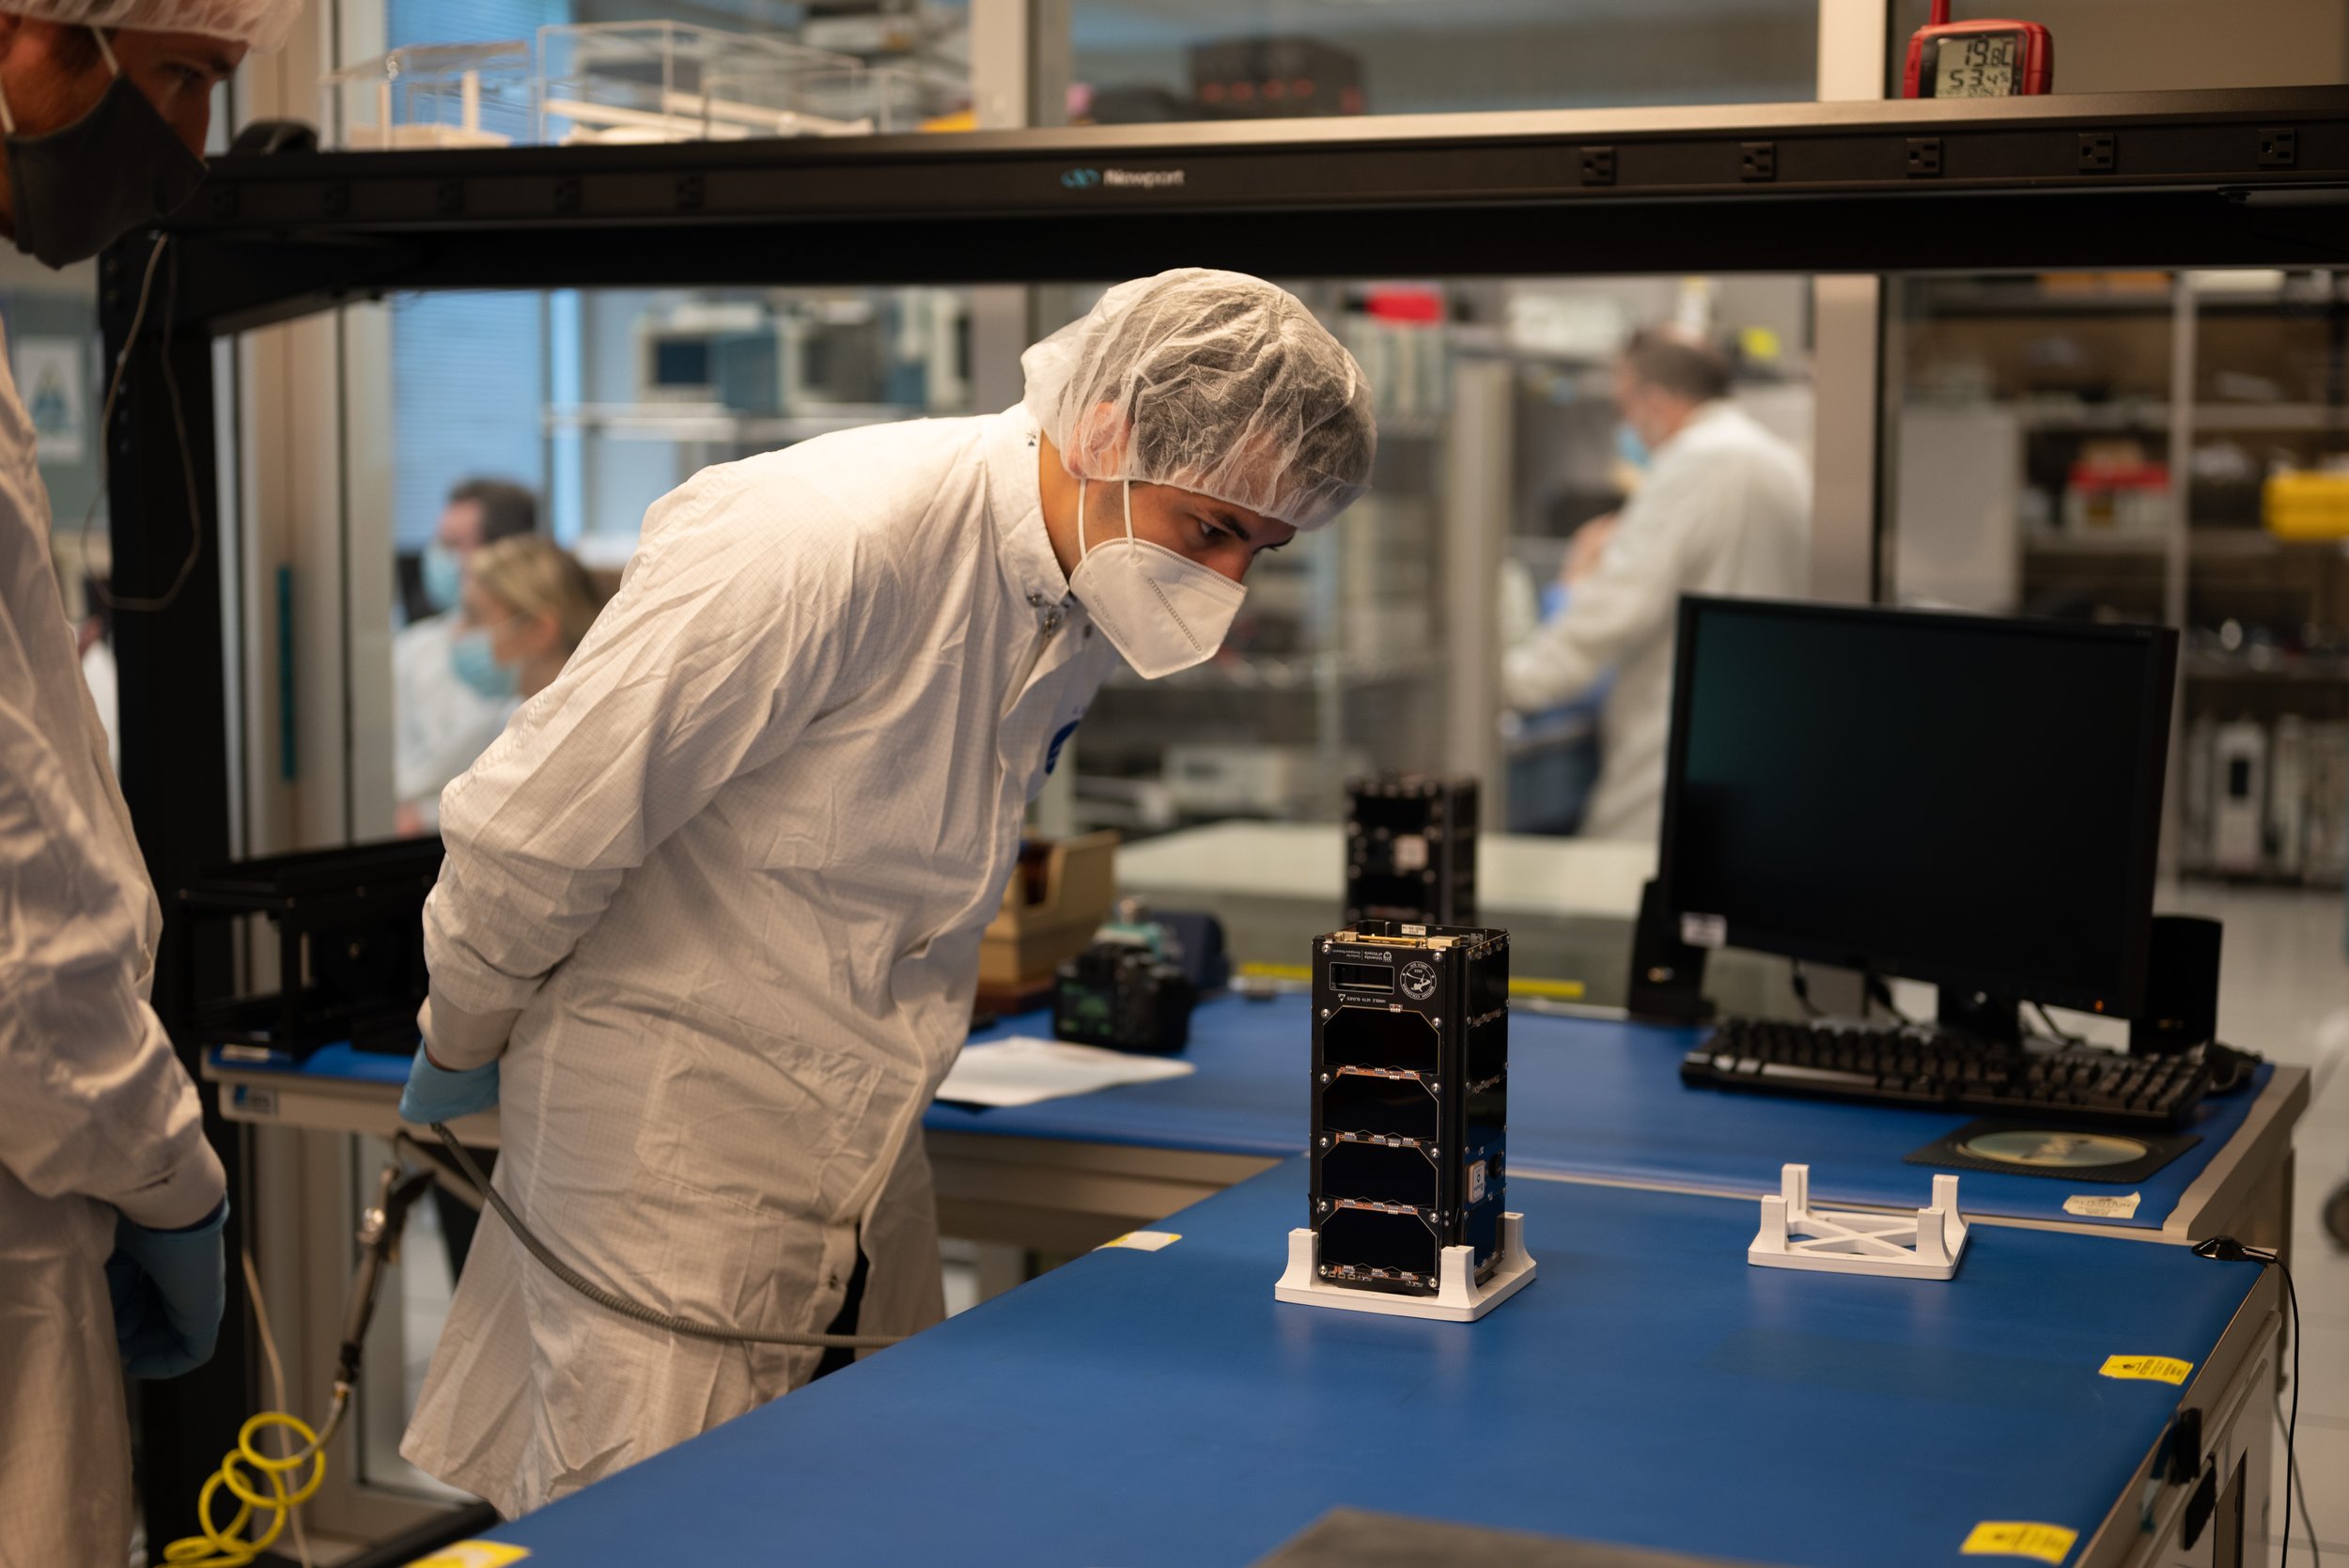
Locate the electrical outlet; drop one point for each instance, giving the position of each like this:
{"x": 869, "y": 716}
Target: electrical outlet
{"x": 2098, "y": 152}
{"x": 2279, "y": 148}
{"x": 1924, "y": 155}
{"x": 1757, "y": 161}
{"x": 1599, "y": 166}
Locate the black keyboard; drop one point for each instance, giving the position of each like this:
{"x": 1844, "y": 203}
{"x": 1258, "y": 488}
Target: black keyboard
{"x": 1929, "y": 1070}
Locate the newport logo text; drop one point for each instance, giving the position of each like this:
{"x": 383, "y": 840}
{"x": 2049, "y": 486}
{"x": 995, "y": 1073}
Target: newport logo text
{"x": 1133, "y": 180}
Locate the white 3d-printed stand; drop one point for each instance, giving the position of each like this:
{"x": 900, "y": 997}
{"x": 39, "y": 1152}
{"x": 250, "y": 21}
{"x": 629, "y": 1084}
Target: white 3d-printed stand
{"x": 1796, "y": 1235}
{"x": 1457, "y": 1299}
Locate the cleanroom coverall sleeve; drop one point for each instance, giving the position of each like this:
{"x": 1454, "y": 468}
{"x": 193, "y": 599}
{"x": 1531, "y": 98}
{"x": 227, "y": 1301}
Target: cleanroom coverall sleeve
{"x": 1629, "y": 599}
{"x": 92, "y": 1100}
{"x": 727, "y": 637}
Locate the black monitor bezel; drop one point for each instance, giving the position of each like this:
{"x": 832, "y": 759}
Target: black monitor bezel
{"x": 2124, "y": 1000}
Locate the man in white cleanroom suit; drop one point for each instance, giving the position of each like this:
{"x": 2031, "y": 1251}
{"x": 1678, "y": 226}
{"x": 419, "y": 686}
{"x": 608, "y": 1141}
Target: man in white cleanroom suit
{"x": 110, "y": 1203}
{"x": 1725, "y": 508}
{"x": 707, "y": 931}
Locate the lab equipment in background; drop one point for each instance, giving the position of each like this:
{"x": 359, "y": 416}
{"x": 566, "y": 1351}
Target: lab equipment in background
{"x": 433, "y": 95}
{"x": 1215, "y": 778}
{"x": 2114, "y": 489}
{"x": 2324, "y": 853}
{"x": 2238, "y": 808}
{"x": 628, "y": 82}
{"x": 1275, "y": 78}
{"x": 2002, "y": 58}
{"x": 1126, "y": 996}
{"x": 1053, "y": 903}
{"x": 2267, "y": 798}
{"x": 2287, "y": 796}
{"x": 1411, "y": 849}
{"x": 2306, "y": 503}
{"x": 1808, "y": 742}
{"x": 348, "y": 927}
{"x": 1410, "y": 1092}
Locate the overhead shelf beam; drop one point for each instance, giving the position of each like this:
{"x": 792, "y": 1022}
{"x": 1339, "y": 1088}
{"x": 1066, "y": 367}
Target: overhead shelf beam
{"x": 2210, "y": 178}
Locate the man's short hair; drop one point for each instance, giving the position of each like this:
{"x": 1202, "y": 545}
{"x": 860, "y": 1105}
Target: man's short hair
{"x": 506, "y": 508}
{"x": 1679, "y": 363}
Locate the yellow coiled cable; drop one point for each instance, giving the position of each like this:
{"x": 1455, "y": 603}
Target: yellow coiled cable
{"x": 226, "y": 1546}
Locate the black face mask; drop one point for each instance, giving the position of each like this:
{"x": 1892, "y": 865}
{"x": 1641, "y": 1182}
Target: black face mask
{"x": 80, "y": 188}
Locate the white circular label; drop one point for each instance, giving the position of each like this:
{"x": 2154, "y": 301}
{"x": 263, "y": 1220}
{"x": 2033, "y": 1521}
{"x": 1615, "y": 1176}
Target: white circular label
{"x": 1419, "y": 980}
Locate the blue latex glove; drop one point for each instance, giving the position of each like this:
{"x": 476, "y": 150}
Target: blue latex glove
{"x": 169, "y": 1288}
{"x": 435, "y": 1094}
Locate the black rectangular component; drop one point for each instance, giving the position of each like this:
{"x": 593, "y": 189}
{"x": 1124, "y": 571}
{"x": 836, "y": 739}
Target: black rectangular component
{"x": 1411, "y": 849}
{"x": 1964, "y": 800}
{"x": 1411, "y": 1094}
{"x": 1361, "y": 977}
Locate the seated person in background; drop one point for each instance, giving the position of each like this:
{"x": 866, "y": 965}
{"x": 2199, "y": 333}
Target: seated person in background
{"x": 439, "y": 724}
{"x": 1725, "y": 508}
{"x": 524, "y": 607}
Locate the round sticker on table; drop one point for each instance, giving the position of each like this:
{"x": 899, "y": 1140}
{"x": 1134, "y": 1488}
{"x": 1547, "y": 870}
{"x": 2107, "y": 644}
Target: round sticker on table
{"x": 2056, "y": 1151}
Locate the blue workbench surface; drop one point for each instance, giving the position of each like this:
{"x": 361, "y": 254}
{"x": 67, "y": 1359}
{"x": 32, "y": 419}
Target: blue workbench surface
{"x": 1649, "y": 1387}
{"x": 1587, "y": 1098}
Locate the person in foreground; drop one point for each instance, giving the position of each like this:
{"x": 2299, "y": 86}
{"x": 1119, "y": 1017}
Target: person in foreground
{"x": 707, "y": 930}
{"x": 112, "y": 1205}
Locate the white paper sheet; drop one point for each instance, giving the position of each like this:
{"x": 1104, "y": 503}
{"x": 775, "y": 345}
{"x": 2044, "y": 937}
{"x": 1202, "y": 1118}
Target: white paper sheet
{"x": 1023, "y": 1070}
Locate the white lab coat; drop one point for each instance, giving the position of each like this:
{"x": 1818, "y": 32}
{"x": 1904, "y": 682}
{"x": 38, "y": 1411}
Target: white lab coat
{"x": 439, "y": 724}
{"x": 731, "y": 867}
{"x": 1725, "y": 509}
{"x": 96, "y": 1113}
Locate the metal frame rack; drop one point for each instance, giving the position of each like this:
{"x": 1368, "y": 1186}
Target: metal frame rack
{"x": 2168, "y": 179}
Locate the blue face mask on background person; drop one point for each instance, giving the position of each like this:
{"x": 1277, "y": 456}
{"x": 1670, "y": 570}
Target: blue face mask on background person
{"x": 444, "y": 576}
{"x": 1631, "y": 446}
{"x": 469, "y": 655}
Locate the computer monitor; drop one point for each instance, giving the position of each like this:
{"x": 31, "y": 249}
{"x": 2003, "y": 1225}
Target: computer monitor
{"x": 1964, "y": 799}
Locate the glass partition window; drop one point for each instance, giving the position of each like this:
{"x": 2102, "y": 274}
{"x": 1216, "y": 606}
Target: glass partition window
{"x": 2159, "y": 448}
{"x": 1143, "y": 61}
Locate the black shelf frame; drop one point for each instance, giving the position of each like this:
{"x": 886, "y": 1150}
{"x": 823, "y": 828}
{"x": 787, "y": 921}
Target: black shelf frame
{"x": 2137, "y": 180}
{"x": 2209, "y": 178}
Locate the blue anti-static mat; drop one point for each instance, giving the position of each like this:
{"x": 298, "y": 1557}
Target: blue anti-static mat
{"x": 1586, "y": 1099}
{"x": 1160, "y": 1410}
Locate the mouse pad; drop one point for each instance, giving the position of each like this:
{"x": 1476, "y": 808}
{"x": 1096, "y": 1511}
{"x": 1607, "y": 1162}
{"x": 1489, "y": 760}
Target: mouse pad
{"x": 2086, "y": 1154}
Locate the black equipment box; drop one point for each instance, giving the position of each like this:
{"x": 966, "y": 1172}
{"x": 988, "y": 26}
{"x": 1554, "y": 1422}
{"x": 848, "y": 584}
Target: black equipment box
{"x": 1411, "y": 849}
{"x": 1125, "y": 997}
{"x": 1411, "y": 1090}
{"x": 350, "y": 946}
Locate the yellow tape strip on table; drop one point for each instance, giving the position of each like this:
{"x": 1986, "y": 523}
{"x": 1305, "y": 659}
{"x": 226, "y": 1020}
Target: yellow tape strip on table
{"x": 2147, "y": 1369}
{"x": 472, "y": 1553}
{"x": 2049, "y": 1543}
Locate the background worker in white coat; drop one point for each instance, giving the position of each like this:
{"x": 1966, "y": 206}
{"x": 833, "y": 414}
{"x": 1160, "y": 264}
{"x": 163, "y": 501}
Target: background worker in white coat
{"x": 110, "y": 1203}
{"x": 707, "y": 931}
{"x": 1724, "y": 508}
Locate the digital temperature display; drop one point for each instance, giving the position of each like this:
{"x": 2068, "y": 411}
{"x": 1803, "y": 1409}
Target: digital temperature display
{"x": 1980, "y": 65}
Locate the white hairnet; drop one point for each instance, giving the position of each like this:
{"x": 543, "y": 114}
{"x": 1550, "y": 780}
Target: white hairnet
{"x": 1216, "y": 382}
{"x": 262, "y": 23}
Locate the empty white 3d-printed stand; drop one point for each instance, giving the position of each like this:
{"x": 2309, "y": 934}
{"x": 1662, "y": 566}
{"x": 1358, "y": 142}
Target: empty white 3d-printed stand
{"x": 1457, "y": 1299}
{"x": 1796, "y": 1235}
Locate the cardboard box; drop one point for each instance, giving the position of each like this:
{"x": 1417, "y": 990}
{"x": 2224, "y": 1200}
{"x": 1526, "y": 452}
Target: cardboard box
{"x": 1057, "y": 898}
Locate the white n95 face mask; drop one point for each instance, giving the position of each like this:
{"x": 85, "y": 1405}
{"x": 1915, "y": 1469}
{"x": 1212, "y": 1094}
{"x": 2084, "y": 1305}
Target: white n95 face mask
{"x": 1162, "y": 610}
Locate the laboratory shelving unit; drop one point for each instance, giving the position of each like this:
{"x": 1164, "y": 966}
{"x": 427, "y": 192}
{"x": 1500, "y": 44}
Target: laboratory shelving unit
{"x": 2167, "y": 180}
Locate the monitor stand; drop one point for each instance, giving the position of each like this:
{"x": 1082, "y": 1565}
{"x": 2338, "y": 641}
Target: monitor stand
{"x": 1994, "y": 1019}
